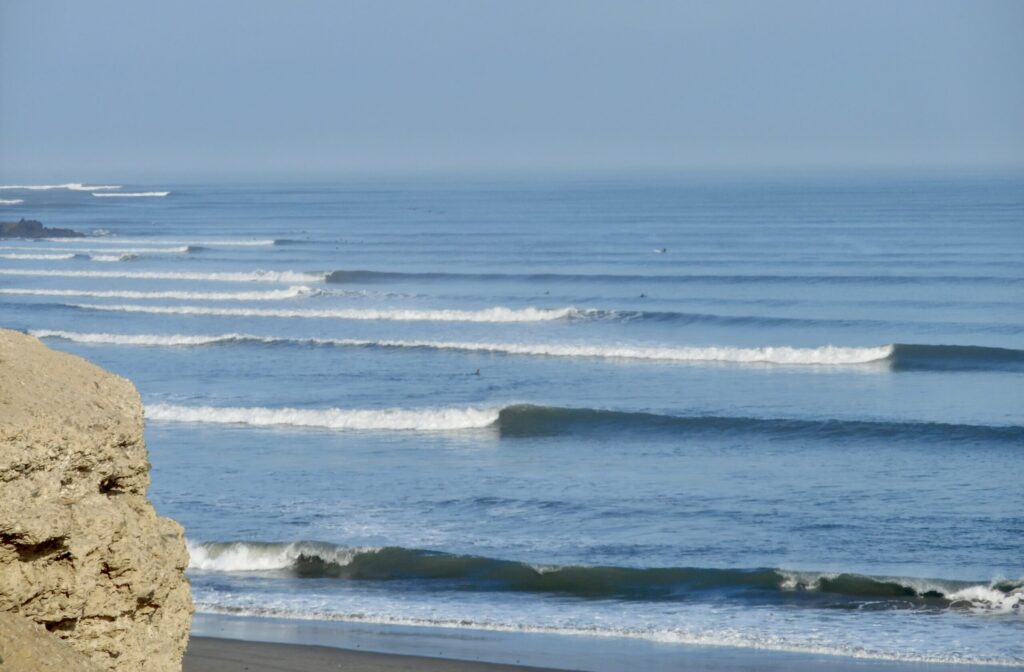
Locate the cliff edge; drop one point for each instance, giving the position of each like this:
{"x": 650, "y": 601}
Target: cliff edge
{"x": 82, "y": 551}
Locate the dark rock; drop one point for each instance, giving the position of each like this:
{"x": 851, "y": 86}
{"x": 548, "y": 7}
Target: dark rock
{"x": 30, "y": 228}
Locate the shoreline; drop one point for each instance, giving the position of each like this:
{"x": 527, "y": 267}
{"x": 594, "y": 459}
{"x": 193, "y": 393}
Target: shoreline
{"x": 225, "y": 643}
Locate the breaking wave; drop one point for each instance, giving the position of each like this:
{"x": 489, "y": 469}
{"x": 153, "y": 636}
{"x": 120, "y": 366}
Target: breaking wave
{"x": 115, "y": 240}
{"x": 900, "y": 357}
{"x": 497, "y": 314}
{"x": 137, "y": 194}
{"x": 11, "y": 201}
{"x": 527, "y": 420}
{"x": 271, "y": 295}
{"x": 289, "y": 277}
{"x": 180, "y": 249}
{"x": 468, "y": 572}
{"x": 423, "y": 420}
{"x": 38, "y": 257}
{"x": 72, "y": 186}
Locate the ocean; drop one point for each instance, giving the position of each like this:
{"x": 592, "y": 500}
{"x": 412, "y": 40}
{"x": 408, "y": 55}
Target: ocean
{"x": 768, "y": 413}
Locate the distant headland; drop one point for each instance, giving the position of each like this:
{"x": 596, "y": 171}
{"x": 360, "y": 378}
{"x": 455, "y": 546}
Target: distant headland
{"x": 30, "y": 228}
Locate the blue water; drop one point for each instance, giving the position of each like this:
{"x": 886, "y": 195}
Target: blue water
{"x": 764, "y": 413}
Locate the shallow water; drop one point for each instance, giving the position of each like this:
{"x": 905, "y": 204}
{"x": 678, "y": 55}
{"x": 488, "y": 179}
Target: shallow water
{"x": 672, "y": 410}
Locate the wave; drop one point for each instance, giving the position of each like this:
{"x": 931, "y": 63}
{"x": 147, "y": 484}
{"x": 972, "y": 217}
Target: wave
{"x": 530, "y": 421}
{"x": 362, "y": 276}
{"x": 136, "y": 194}
{"x": 468, "y": 572}
{"x": 72, "y": 186}
{"x": 11, "y": 201}
{"x": 423, "y": 420}
{"x": 289, "y": 277}
{"x": 900, "y": 357}
{"x": 181, "y": 249}
{"x": 272, "y": 295}
{"x": 38, "y": 257}
{"x": 497, "y": 314}
{"x": 115, "y": 240}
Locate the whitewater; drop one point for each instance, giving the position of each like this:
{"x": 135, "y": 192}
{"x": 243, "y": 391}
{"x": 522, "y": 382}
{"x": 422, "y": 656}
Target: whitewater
{"x": 778, "y": 415}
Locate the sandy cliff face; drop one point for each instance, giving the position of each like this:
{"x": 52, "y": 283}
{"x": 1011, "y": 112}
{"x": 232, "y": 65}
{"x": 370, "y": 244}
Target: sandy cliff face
{"x": 82, "y": 552}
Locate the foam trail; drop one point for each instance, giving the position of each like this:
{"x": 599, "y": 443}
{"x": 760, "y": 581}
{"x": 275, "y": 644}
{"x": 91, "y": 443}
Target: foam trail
{"x": 497, "y": 314}
{"x": 114, "y": 240}
{"x": 137, "y": 194}
{"x": 272, "y": 295}
{"x": 38, "y": 257}
{"x": 180, "y": 249}
{"x": 424, "y": 420}
{"x": 72, "y": 186}
{"x": 826, "y": 355}
{"x": 255, "y": 276}
{"x": 11, "y": 201}
{"x": 320, "y": 560}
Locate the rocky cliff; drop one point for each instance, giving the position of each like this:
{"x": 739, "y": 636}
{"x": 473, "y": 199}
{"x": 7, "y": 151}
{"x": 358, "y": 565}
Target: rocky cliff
{"x": 82, "y": 552}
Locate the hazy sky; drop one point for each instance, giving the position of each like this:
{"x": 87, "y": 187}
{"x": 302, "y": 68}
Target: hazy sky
{"x": 217, "y": 88}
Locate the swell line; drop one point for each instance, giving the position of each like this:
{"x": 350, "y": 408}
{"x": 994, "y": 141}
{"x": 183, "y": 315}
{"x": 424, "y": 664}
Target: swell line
{"x": 526, "y": 420}
{"x": 496, "y": 314}
{"x": 289, "y": 277}
{"x": 318, "y": 560}
{"x": 900, "y": 356}
{"x": 270, "y": 295}
{"x": 363, "y": 276}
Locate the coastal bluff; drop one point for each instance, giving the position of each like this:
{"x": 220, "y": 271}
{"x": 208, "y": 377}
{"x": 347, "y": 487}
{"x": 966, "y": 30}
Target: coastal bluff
{"x": 83, "y": 554}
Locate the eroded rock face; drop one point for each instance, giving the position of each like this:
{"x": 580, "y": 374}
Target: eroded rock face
{"x": 82, "y": 551}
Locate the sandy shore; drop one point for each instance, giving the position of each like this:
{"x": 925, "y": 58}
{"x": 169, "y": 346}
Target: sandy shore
{"x": 223, "y": 643}
{"x": 207, "y": 654}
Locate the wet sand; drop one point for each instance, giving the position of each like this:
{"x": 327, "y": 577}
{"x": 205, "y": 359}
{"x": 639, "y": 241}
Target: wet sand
{"x": 206, "y": 654}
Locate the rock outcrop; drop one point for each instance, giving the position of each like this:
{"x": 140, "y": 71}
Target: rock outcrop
{"x": 82, "y": 552}
{"x": 30, "y": 228}
{"x": 27, "y": 647}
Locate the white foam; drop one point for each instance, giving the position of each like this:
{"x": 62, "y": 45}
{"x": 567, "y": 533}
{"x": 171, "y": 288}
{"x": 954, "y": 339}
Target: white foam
{"x": 72, "y": 186}
{"x": 139, "y": 339}
{"x": 112, "y": 257}
{"x": 826, "y": 355}
{"x": 271, "y": 295}
{"x": 11, "y": 201}
{"x": 114, "y": 240}
{"x": 181, "y": 249}
{"x": 424, "y": 420}
{"x": 497, "y": 314}
{"x": 136, "y": 194}
{"x": 254, "y": 557}
{"x": 38, "y": 257}
{"x": 255, "y": 276}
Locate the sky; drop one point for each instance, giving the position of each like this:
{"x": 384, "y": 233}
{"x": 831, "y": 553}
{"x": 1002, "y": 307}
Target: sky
{"x": 201, "y": 89}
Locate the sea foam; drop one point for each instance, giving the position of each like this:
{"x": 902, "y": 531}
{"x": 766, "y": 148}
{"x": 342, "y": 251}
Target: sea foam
{"x": 71, "y": 186}
{"x": 137, "y": 194}
{"x": 271, "y": 295}
{"x": 824, "y": 355}
{"x": 496, "y": 314}
{"x": 289, "y": 277}
{"x": 426, "y": 419}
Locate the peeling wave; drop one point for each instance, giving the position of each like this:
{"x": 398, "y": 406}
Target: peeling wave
{"x": 527, "y": 420}
{"x": 38, "y": 257}
{"x": 136, "y": 194}
{"x": 423, "y": 420}
{"x": 115, "y": 240}
{"x": 11, "y": 201}
{"x": 900, "y": 357}
{"x": 271, "y": 295}
{"x": 800, "y": 588}
{"x": 289, "y": 277}
{"x": 71, "y": 186}
{"x": 497, "y": 314}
